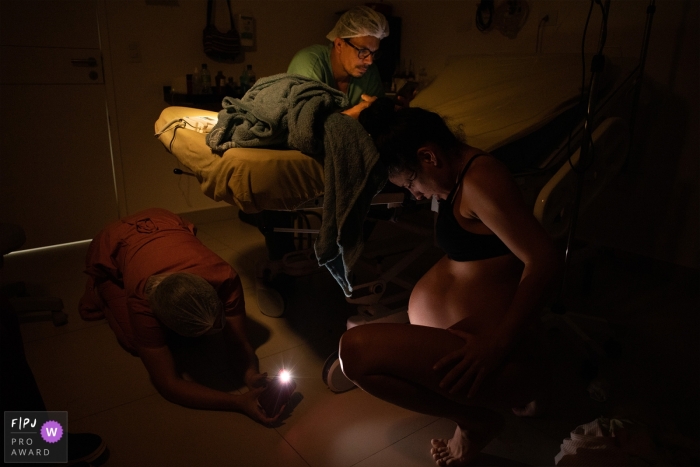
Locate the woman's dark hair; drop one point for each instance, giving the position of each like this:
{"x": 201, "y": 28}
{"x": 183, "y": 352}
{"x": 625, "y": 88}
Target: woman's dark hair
{"x": 398, "y": 134}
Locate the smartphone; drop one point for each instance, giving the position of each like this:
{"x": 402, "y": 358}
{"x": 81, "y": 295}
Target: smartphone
{"x": 276, "y": 395}
{"x": 408, "y": 89}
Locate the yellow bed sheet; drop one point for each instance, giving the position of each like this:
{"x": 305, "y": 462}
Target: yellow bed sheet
{"x": 496, "y": 99}
{"x": 251, "y": 178}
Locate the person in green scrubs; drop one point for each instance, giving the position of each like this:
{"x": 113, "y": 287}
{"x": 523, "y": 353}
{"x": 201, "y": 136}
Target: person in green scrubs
{"x": 347, "y": 63}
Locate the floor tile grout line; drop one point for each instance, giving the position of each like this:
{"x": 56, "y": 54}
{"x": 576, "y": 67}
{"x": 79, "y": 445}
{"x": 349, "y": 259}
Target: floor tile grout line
{"x": 29, "y": 341}
{"x": 154, "y": 393}
{"x": 292, "y": 447}
{"x": 283, "y": 351}
{"x": 318, "y": 340}
{"x": 398, "y": 440}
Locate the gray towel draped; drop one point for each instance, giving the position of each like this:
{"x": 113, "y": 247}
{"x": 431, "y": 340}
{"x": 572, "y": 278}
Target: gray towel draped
{"x": 296, "y": 112}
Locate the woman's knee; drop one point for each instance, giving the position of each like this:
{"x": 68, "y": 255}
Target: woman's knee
{"x": 352, "y": 351}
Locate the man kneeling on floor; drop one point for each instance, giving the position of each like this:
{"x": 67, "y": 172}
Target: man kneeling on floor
{"x": 156, "y": 283}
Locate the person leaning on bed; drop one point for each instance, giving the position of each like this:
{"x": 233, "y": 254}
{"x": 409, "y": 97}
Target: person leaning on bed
{"x": 473, "y": 343}
{"x": 152, "y": 279}
{"x": 347, "y": 64}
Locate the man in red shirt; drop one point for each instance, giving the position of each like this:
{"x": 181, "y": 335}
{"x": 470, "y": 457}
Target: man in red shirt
{"x": 152, "y": 279}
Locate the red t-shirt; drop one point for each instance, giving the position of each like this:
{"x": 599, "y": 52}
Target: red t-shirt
{"x": 156, "y": 241}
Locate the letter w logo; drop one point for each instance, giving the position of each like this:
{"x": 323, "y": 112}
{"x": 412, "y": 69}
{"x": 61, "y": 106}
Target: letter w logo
{"x": 52, "y": 432}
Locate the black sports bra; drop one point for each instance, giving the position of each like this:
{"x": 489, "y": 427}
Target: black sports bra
{"x": 459, "y": 244}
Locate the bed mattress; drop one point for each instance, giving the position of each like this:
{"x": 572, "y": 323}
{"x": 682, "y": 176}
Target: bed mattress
{"x": 497, "y": 99}
{"x": 251, "y": 178}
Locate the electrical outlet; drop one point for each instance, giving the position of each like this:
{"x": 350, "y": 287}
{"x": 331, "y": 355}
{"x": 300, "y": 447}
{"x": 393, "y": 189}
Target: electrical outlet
{"x": 552, "y": 15}
{"x": 134, "y": 49}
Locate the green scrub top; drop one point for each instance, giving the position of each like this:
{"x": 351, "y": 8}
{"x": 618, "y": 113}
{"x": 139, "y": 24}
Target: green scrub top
{"x": 315, "y": 62}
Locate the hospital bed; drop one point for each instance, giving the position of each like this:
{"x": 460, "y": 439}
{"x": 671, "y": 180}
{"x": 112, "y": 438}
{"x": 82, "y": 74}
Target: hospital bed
{"x": 257, "y": 179}
{"x": 525, "y": 109}
{"x": 496, "y": 100}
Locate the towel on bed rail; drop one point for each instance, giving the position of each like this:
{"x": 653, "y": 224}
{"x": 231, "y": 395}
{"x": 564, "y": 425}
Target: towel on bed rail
{"x": 353, "y": 176}
{"x": 301, "y": 113}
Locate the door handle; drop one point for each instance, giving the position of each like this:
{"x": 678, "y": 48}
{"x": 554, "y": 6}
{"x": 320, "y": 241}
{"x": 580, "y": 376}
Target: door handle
{"x": 89, "y": 62}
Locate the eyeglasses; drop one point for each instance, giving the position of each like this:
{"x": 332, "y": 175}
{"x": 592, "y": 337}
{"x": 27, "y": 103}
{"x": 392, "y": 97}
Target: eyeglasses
{"x": 363, "y": 53}
{"x": 410, "y": 179}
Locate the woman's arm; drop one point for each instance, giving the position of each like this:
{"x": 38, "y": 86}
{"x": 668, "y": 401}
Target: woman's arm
{"x": 161, "y": 368}
{"x": 242, "y": 353}
{"x": 490, "y": 195}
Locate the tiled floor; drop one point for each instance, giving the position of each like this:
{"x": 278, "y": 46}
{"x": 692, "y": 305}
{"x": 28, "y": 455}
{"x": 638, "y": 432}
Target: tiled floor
{"x": 652, "y": 308}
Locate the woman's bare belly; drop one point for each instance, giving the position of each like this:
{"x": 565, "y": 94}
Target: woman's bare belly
{"x": 475, "y": 294}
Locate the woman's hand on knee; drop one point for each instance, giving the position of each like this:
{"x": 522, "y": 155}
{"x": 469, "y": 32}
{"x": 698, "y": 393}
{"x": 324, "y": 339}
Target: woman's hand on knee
{"x": 468, "y": 366}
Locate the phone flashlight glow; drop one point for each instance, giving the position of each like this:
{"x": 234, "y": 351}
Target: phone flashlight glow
{"x": 285, "y": 376}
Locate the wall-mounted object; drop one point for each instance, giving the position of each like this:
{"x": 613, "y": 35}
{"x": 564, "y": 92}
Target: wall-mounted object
{"x": 484, "y": 15}
{"x": 245, "y": 24}
{"x": 220, "y": 46}
{"x": 510, "y": 17}
{"x": 134, "y": 51}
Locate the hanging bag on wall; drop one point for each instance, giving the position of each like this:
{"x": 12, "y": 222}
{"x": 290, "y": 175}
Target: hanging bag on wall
{"x": 219, "y": 46}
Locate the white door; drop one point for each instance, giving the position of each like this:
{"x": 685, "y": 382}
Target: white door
{"x": 56, "y": 174}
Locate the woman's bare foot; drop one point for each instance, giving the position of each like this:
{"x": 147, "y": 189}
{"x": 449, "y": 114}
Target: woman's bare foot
{"x": 534, "y": 408}
{"x": 464, "y": 446}
{"x": 531, "y": 409}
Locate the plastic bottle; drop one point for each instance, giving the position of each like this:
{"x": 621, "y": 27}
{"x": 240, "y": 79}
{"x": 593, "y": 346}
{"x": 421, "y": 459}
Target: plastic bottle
{"x": 251, "y": 76}
{"x": 220, "y": 81}
{"x": 244, "y": 81}
{"x": 206, "y": 79}
{"x": 196, "y": 82}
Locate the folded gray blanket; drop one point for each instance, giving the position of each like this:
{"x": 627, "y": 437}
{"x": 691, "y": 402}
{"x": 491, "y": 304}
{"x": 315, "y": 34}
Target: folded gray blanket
{"x": 280, "y": 110}
{"x": 296, "y": 112}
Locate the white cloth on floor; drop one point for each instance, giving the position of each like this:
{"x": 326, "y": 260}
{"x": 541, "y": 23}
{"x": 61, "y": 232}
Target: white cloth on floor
{"x": 607, "y": 442}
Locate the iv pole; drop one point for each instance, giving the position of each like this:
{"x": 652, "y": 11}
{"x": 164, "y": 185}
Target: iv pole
{"x": 651, "y": 9}
{"x": 584, "y": 162}
{"x": 586, "y": 154}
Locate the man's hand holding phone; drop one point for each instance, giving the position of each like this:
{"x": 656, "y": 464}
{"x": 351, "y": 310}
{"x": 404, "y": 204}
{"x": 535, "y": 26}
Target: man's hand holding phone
{"x": 406, "y": 94}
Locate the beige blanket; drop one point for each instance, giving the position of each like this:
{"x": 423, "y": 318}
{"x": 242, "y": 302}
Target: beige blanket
{"x": 253, "y": 179}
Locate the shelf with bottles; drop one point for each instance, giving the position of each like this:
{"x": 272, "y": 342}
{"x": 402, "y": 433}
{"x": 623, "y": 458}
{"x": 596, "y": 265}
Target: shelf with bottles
{"x": 203, "y": 94}
{"x": 210, "y": 101}
{"x": 200, "y": 101}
